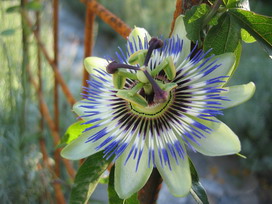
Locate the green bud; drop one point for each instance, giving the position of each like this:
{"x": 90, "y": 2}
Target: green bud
{"x": 148, "y": 88}
{"x": 139, "y": 33}
{"x": 141, "y": 77}
{"x": 91, "y": 63}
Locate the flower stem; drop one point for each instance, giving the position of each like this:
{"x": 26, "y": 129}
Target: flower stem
{"x": 149, "y": 193}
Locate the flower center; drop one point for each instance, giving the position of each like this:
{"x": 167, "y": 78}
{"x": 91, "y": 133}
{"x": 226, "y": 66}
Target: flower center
{"x": 148, "y": 95}
{"x": 152, "y": 110}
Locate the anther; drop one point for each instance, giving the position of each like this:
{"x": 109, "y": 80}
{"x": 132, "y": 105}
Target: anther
{"x": 154, "y": 43}
{"x": 114, "y": 66}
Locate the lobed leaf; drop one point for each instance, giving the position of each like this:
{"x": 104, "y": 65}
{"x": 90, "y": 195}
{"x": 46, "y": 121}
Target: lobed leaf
{"x": 223, "y": 37}
{"x": 244, "y": 4}
{"x": 259, "y": 26}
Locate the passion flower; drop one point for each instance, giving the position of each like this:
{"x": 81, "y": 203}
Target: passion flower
{"x": 151, "y": 103}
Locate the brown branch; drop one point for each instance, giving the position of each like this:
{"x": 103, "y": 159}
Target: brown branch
{"x": 88, "y": 41}
{"x": 190, "y": 3}
{"x": 181, "y": 7}
{"x": 63, "y": 85}
{"x": 39, "y": 68}
{"x": 50, "y": 122}
{"x": 45, "y": 160}
{"x": 112, "y": 20}
{"x": 56, "y": 93}
{"x": 177, "y": 12}
{"x": 149, "y": 193}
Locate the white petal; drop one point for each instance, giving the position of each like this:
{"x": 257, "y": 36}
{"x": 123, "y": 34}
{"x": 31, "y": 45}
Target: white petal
{"x": 92, "y": 63}
{"x": 80, "y": 110}
{"x": 221, "y": 141}
{"x": 137, "y": 33}
{"x": 178, "y": 179}
{"x": 227, "y": 61}
{"x": 79, "y": 149}
{"x": 180, "y": 31}
{"x": 238, "y": 94}
{"x": 127, "y": 180}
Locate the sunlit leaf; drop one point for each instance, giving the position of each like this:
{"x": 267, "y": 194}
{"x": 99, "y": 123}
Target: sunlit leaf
{"x": 87, "y": 178}
{"x": 244, "y": 4}
{"x": 104, "y": 180}
{"x": 199, "y": 12}
{"x": 73, "y": 132}
{"x": 259, "y": 26}
{"x": 114, "y": 198}
{"x": 194, "y": 19}
{"x": 246, "y": 37}
{"x": 197, "y": 191}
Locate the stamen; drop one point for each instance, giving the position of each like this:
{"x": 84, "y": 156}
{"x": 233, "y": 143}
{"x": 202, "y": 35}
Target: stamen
{"x": 113, "y": 66}
{"x": 154, "y": 43}
{"x": 160, "y": 95}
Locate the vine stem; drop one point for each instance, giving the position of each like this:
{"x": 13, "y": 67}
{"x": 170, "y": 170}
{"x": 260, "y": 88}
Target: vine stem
{"x": 213, "y": 11}
{"x": 149, "y": 193}
{"x": 55, "y": 69}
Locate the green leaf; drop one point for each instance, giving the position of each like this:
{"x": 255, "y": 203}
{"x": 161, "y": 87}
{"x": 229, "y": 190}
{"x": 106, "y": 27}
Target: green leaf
{"x": 114, "y": 198}
{"x": 199, "y": 12}
{"x": 8, "y": 32}
{"x": 34, "y": 6}
{"x": 246, "y": 37}
{"x": 73, "y": 132}
{"x": 12, "y": 9}
{"x": 224, "y": 37}
{"x": 193, "y": 21}
{"x": 259, "y": 26}
{"x": 244, "y": 4}
{"x": 197, "y": 191}
{"x": 87, "y": 178}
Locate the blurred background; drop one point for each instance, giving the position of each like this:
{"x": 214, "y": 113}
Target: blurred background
{"x": 24, "y": 178}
